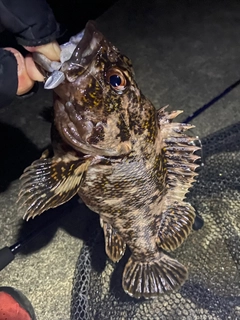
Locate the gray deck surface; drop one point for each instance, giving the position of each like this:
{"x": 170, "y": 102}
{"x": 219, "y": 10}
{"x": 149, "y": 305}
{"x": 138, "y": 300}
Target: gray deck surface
{"x": 184, "y": 53}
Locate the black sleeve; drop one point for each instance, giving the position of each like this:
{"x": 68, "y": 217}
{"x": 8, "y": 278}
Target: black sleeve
{"x": 8, "y": 77}
{"x": 32, "y": 21}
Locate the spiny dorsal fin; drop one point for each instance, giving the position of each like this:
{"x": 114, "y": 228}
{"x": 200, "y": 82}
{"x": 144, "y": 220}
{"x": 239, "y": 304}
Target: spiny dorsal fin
{"x": 178, "y": 151}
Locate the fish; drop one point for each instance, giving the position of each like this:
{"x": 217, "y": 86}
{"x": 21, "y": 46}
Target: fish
{"x": 129, "y": 162}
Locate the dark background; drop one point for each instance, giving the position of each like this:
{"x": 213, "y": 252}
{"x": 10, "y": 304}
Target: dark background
{"x": 74, "y": 14}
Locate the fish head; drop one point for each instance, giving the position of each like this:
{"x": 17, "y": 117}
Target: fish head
{"x": 98, "y": 106}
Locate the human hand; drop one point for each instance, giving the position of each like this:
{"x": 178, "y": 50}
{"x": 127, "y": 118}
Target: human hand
{"x": 27, "y": 70}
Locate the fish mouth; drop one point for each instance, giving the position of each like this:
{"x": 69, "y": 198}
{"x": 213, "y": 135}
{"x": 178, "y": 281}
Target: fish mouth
{"x": 87, "y": 48}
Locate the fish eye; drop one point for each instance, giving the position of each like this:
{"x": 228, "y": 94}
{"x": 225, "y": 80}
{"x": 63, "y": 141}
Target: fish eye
{"x": 116, "y": 79}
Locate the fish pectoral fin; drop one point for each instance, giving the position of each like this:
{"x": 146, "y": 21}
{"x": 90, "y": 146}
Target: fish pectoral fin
{"x": 114, "y": 245}
{"x": 176, "y": 224}
{"x": 154, "y": 277}
{"x": 50, "y": 182}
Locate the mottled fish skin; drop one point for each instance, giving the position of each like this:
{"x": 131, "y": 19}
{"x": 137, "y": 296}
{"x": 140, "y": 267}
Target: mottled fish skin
{"x": 139, "y": 167}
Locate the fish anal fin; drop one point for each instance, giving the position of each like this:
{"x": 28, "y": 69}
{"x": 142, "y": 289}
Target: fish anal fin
{"x": 175, "y": 225}
{"x": 114, "y": 245}
{"x": 154, "y": 277}
{"x": 50, "y": 182}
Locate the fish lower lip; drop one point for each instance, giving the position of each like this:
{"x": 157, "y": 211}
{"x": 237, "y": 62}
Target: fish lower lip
{"x": 81, "y": 130}
{"x": 71, "y": 133}
{"x": 80, "y": 127}
{"x": 76, "y": 142}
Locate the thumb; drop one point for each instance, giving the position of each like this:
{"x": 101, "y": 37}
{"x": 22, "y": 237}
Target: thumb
{"x": 51, "y": 50}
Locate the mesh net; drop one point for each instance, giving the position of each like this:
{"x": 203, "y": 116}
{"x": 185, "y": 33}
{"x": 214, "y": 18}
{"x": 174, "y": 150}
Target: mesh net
{"x": 211, "y": 253}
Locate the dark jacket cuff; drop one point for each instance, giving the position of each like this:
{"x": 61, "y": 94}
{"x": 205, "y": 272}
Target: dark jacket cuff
{"x": 8, "y": 77}
{"x": 32, "y": 22}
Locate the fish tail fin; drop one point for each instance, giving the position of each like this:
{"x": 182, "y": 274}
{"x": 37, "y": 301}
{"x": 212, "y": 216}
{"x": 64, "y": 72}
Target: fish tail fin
{"x": 154, "y": 277}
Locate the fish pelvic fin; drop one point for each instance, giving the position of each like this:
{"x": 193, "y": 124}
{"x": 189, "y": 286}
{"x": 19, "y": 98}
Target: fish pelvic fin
{"x": 50, "y": 182}
{"x": 114, "y": 245}
{"x": 154, "y": 277}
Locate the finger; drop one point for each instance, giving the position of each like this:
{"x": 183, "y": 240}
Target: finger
{"x": 25, "y": 83}
{"x": 51, "y": 50}
{"x": 32, "y": 71}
